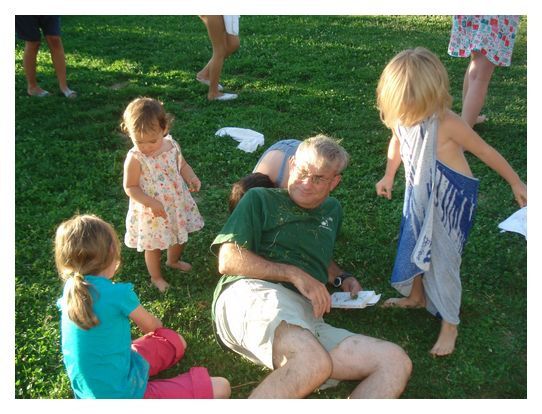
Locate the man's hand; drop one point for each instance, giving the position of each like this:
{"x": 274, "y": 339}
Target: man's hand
{"x": 351, "y": 284}
{"x": 316, "y": 292}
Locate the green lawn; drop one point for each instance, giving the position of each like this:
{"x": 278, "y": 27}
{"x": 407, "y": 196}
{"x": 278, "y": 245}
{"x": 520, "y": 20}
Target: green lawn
{"x": 296, "y": 76}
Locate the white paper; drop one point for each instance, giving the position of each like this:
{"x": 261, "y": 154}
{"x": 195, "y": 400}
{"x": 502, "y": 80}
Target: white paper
{"x": 517, "y": 222}
{"x": 345, "y": 301}
{"x": 249, "y": 140}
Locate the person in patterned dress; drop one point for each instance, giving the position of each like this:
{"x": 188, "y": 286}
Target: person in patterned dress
{"x": 158, "y": 181}
{"x": 489, "y": 41}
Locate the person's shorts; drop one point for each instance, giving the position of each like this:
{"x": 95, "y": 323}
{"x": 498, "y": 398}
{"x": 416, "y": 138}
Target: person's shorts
{"x": 28, "y": 27}
{"x": 231, "y": 24}
{"x": 162, "y": 349}
{"x": 248, "y": 311}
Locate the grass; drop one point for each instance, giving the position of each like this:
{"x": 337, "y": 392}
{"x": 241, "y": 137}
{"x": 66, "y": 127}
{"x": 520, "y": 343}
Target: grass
{"x": 296, "y": 76}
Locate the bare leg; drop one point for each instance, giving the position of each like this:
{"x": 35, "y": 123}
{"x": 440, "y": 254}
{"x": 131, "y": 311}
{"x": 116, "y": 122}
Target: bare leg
{"x": 152, "y": 260}
{"x": 174, "y": 254}
{"x": 221, "y": 49}
{"x": 59, "y": 62}
{"x": 383, "y": 367}
{"x": 416, "y": 299}
{"x": 232, "y": 44}
{"x": 445, "y": 344}
{"x": 301, "y": 365}
{"x": 478, "y": 76}
{"x": 30, "y": 57}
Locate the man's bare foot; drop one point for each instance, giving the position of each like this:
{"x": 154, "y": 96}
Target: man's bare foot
{"x": 407, "y": 303}
{"x": 445, "y": 344}
{"x": 480, "y": 119}
{"x": 182, "y": 266}
{"x": 161, "y": 284}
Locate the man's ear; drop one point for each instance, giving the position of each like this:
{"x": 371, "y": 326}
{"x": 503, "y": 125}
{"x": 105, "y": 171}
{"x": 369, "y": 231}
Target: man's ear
{"x": 335, "y": 181}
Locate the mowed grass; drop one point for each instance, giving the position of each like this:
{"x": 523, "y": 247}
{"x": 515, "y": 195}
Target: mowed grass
{"x": 296, "y": 76}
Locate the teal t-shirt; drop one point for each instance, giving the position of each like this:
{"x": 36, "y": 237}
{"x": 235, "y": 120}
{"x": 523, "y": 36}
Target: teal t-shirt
{"x": 267, "y": 222}
{"x": 99, "y": 361}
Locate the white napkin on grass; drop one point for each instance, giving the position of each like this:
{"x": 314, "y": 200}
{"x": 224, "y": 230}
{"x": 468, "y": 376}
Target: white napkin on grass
{"x": 249, "y": 140}
{"x": 517, "y": 222}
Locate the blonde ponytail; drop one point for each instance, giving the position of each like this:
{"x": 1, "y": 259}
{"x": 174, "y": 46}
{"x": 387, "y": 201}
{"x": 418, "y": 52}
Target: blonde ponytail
{"x": 84, "y": 245}
{"x": 79, "y": 302}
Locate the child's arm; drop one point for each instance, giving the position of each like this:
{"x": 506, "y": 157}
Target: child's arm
{"x": 145, "y": 320}
{"x": 463, "y": 135}
{"x": 189, "y": 177}
{"x": 130, "y": 182}
{"x": 385, "y": 185}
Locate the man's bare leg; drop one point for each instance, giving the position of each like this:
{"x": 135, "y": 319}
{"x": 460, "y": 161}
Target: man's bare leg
{"x": 301, "y": 364}
{"x": 383, "y": 367}
{"x": 445, "y": 344}
{"x": 416, "y": 299}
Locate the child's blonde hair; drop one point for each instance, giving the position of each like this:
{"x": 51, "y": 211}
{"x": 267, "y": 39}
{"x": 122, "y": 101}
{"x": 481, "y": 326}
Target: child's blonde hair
{"x": 413, "y": 86}
{"x": 144, "y": 115}
{"x": 84, "y": 245}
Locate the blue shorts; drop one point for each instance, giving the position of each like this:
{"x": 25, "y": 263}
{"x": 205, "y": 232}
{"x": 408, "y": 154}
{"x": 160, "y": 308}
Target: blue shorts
{"x": 28, "y": 27}
{"x": 286, "y": 146}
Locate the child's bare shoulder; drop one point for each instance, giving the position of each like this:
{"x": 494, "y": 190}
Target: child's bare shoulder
{"x": 451, "y": 125}
{"x": 450, "y": 120}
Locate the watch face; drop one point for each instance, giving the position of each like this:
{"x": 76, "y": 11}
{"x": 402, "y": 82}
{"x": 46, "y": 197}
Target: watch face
{"x": 337, "y": 282}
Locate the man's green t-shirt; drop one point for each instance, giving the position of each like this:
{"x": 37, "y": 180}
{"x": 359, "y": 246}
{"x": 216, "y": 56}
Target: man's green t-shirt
{"x": 267, "y": 222}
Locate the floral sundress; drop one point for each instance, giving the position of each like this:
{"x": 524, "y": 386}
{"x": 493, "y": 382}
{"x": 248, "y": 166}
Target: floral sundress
{"x": 493, "y": 36}
{"x": 161, "y": 179}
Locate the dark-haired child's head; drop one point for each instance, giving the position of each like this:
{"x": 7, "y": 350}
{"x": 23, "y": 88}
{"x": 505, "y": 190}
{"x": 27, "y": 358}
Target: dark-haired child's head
{"x": 240, "y": 187}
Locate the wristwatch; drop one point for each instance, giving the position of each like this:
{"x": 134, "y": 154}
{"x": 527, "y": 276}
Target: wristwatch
{"x": 340, "y": 279}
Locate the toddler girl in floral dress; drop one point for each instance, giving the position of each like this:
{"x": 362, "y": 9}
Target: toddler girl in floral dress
{"x": 158, "y": 181}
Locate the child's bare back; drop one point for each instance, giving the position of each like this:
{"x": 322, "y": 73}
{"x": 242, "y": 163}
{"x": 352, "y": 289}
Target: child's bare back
{"x": 449, "y": 152}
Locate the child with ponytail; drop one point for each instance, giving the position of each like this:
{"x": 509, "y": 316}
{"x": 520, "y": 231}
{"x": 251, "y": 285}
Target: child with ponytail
{"x": 100, "y": 357}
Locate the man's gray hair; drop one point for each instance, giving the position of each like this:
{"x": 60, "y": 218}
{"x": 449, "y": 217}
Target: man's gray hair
{"x": 328, "y": 150}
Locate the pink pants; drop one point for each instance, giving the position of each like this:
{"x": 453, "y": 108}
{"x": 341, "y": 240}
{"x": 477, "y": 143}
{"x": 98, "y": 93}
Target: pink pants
{"x": 162, "y": 349}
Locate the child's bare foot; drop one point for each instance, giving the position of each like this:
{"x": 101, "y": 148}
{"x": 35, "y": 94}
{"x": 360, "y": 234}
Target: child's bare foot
{"x": 161, "y": 284}
{"x": 445, "y": 344}
{"x": 406, "y": 303}
{"x": 182, "y": 266}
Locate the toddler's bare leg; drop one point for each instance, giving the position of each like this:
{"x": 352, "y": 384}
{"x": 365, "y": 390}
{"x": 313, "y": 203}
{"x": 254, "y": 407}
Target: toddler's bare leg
{"x": 152, "y": 260}
{"x": 174, "y": 254}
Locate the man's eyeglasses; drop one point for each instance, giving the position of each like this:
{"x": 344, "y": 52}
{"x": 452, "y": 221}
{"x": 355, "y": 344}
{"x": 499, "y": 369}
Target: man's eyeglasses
{"x": 303, "y": 174}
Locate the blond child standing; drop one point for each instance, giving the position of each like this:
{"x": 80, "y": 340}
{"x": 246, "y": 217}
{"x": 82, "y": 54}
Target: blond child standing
{"x": 440, "y": 192}
{"x": 100, "y": 357}
{"x": 158, "y": 181}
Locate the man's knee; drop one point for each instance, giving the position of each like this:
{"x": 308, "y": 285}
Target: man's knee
{"x": 294, "y": 342}
{"x": 397, "y": 359}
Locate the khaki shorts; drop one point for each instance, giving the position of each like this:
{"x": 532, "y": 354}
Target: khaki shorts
{"x": 248, "y": 311}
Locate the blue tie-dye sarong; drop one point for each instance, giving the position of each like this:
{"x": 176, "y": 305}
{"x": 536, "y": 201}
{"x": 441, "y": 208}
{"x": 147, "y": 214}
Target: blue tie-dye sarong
{"x": 438, "y": 214}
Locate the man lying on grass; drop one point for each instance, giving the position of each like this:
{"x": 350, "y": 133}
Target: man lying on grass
{"x": 275, "y": 255}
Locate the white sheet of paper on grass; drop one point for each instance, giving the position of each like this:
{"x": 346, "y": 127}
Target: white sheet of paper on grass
{"x": 343, "y": 299}
{"x": 517, "y": 222}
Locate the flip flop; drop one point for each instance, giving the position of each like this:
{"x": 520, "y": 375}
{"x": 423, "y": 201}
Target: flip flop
{"x": 68, "y": 93}
{"x": 225, "y": 97}
{"x": 41, "y": 94}
{"x": 208, "y": 82}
